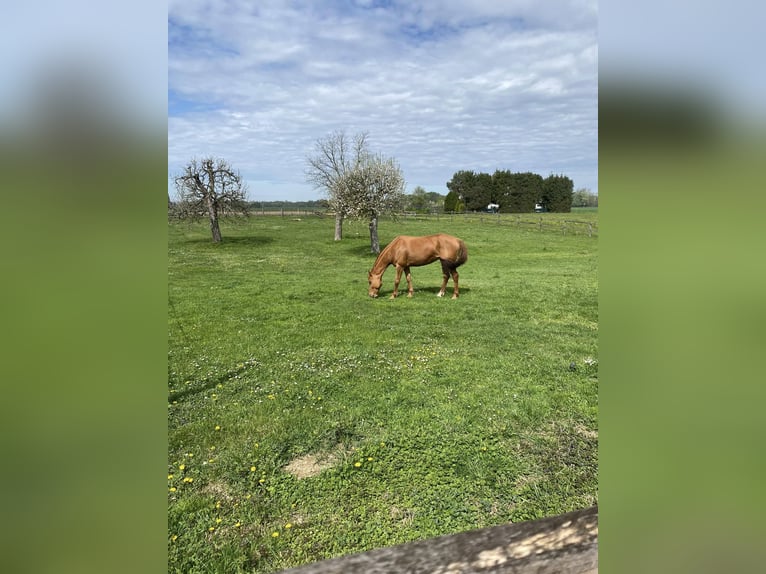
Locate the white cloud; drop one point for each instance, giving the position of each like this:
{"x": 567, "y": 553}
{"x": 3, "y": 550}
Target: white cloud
{"x": 440, "y": 86}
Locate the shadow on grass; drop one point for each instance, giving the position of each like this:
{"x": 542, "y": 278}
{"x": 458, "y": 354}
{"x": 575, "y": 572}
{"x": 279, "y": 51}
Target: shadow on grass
{"x": 361, "y": 249}
{"x": 385, "y": 293}
{"x": 233, "y": 241}
{"x": 208, "y": 384}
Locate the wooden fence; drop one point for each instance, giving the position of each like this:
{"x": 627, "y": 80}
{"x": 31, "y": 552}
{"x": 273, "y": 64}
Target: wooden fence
{"x": 532, "y": 222}
{"x": 567, "y": 543}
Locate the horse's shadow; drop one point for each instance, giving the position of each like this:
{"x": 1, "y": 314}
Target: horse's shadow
{"x": 434, "y": 290}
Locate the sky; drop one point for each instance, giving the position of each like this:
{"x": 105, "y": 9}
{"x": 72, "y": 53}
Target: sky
{"x": 440, "y": 86}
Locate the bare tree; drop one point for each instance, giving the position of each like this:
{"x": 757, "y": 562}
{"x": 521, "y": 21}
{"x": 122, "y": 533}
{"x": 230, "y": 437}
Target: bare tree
{"x": 336, "y": 156}
{"x": 210, "y": 186}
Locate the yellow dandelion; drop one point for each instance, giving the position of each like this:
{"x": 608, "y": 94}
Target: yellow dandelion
{"x": 210, "y": 529}
{"x": 188, "y": 479}
{"x": 357, "y": 464}
{"x": 262, "y": 480}
{"x": 170, "y": 476}
{"x": 288, "y": 525}
{"x": 249, "y": 496}
{"x": 237, "y": 524}
{"x": 252, "y": 469}
{"x": 275, "y": 534}
{"x": 218, "y": 505}
{"x": 174, "y": 537}
{"x": 181, "y": 467}
{"x": 369, "y": 458}
{"x": 172, "y": 489}
{"x": 217, "y": 427}
{"x": 212, "y": 447}
{"x": 218, "y": 520}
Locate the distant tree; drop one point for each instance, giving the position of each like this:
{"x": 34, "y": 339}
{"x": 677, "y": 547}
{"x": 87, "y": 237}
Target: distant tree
{"x": 373, "y": 188}
{"x": 357, "y": 182}
{"x": 452, "y": 203}
{"x": 417, "y": 200}
{"x": 210, "y": 187}
{"x": 557, "y": 193}
{"x": 462, "y": 185}
{"x": 583, "y": 197}
{"x": 335, "y": 158}
{"x": 435, "y": 200}
{"x": 517, "y": 192}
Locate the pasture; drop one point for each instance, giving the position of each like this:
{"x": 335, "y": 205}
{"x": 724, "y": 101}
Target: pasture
{"x": 307, "y": 420}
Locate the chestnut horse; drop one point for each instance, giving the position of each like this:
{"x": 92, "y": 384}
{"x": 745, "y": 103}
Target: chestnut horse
{"x": 405, "y": 252}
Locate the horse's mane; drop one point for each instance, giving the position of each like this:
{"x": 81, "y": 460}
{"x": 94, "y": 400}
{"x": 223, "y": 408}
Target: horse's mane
{"x": 383, "y": 253}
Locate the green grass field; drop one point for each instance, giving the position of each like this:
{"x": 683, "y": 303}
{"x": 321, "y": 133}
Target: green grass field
{"x": 308, "y": 421}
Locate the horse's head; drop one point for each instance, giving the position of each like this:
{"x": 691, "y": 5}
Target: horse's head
{"x": 375, "y": 282}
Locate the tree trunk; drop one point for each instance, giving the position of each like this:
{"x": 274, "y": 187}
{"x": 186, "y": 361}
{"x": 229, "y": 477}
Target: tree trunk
{"x": 338, "y": 227}
{"x": 213, "y": 214}
{"x": 374, "y": 242}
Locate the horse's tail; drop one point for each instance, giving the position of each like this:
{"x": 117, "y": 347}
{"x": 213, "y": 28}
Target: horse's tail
{"x": 462, "y": 253}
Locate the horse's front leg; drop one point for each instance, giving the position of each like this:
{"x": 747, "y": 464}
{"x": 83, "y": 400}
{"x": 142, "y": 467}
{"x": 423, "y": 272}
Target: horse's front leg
{"x": 396, "y": 282}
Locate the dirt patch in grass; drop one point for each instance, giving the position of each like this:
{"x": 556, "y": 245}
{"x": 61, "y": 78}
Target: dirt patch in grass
{"x": 310, "y": 465}
{"x": 219, "y": 490}
{"x": 585, "y": 432}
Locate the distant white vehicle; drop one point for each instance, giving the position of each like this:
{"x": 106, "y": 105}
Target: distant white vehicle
{"x": 539, "y": 208}
{"x": 493, "y": 207}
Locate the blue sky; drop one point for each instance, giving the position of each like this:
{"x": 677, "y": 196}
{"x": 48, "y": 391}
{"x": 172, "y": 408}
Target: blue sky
{"x": 441, "y": 86}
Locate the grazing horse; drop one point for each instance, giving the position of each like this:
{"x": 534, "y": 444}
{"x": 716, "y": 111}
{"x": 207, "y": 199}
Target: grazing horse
{"x": 405, "y": 252}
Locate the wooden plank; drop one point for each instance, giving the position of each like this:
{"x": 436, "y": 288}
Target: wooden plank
{"x": 565, "y": 543}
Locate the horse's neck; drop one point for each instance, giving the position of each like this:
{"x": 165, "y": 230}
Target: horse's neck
{"x": 382, "y": 262}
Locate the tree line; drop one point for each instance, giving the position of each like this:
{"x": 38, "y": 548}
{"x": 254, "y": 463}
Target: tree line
{"x": 511, "y": 192}
{"x": 361, "y": 184}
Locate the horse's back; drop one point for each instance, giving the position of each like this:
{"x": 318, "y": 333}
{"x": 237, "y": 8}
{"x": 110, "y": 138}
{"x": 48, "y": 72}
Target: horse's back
{"x": 421, "y": 250}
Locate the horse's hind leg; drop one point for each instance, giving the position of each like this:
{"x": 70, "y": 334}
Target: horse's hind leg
{"x": 455, "y": 276}
{"x": 408, "y": 276}
{"x": 445, "y": 278}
